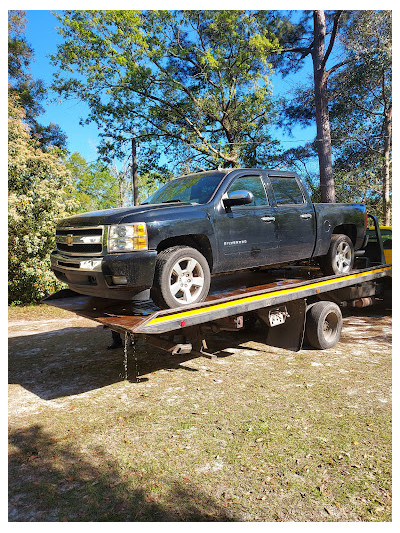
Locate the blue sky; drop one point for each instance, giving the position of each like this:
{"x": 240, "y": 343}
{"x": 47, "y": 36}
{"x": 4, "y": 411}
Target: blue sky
{"x": 41, "y": 34}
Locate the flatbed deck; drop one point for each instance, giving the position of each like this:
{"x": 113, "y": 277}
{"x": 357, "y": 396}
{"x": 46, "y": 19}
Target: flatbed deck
{"x": 254, "y": 291}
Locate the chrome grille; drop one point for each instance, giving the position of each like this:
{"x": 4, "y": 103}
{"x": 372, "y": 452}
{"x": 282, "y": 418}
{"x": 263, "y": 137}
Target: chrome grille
{"x": 80, "y": 241}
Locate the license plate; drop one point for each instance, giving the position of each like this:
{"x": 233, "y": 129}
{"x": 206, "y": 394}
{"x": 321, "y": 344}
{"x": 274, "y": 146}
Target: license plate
{"x": 91, "y": 264}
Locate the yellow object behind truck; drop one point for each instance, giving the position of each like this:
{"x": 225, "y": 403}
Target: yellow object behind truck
{"x": 386, "y": 234}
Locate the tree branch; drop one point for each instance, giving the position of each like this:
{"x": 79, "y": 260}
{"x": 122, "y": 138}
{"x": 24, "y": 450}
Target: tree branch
{"x": 305, "y": 51}
{"x": 366, "y": 110}
{"x": 332, "y": 39}
{"x": 338, "y": 65}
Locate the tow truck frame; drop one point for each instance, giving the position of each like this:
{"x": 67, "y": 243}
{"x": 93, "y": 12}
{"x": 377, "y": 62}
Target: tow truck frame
{"x": 283, "y": 305}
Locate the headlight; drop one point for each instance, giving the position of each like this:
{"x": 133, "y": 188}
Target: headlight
{"x": 127, "y": 237}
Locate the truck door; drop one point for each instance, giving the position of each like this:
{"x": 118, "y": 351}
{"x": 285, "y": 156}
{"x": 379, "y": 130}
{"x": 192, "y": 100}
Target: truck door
{"x": 246, "y": 234}
{"x": 295, "y": 218}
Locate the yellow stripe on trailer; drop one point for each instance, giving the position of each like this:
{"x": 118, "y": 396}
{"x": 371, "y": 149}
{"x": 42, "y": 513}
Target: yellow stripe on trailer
{"x": 262, "y": 296}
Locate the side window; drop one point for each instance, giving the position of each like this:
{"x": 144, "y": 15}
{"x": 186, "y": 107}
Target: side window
{"x": 252, "y": 184}
{"x": 286, "y": 190}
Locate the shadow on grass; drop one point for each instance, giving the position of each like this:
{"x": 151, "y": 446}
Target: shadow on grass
{"x": 51, "y": 481}
{"x": 72, "y": 361}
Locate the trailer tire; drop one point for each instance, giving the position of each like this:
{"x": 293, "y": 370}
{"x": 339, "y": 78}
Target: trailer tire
{"x": 182, "y": 277}
{"x": 323, "y": 325}
{"x": 340, "y": 256}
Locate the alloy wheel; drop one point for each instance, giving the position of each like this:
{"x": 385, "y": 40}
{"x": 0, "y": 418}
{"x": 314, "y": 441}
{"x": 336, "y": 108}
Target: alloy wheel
{"x": 343, "y": 257}
{"x": 186, "y": 280}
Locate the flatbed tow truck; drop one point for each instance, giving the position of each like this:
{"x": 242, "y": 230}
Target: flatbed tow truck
{"x": 294, "y": 305}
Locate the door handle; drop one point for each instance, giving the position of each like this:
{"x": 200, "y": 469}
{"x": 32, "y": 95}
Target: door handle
{"x": 268, "y": 219}
{"x": 306, "y": 215}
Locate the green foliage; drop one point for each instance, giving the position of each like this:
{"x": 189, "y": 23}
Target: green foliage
{"x": 94, "y": 185}
{"x": 359, "y": 104}
{"x": 361, "y": 100}
{"x": 195, "y": 82}
{"x": 19, "y": 51}
{"x": 31, "y": 92}
{"x": 38, "y": 197}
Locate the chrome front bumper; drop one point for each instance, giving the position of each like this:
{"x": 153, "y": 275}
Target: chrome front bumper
{"x": 77, "y": 264}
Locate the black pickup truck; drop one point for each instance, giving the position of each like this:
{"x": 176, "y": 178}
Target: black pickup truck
{"x": 199, "y": 225}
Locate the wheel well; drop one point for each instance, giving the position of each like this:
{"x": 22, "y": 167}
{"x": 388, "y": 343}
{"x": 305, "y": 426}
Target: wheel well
{"x": 347, "y": 229}
{"x": 199, "y": 242}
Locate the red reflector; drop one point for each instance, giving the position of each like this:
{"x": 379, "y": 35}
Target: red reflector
{"x": 183, "y": 324}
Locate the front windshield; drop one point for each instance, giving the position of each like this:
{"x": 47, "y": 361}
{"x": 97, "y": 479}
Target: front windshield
{"x": 193, "y": 188}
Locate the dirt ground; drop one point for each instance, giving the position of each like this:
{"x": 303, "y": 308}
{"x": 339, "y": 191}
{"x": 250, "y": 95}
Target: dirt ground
{"x": 260, "y": 434}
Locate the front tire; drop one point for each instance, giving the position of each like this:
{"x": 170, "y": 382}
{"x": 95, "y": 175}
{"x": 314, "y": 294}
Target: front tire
{"x": 340, "y": 256}
{"x": 182, "y": 277}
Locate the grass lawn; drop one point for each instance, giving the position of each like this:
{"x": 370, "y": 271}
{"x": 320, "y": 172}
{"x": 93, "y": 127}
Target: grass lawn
{"x": 260, "y": 434}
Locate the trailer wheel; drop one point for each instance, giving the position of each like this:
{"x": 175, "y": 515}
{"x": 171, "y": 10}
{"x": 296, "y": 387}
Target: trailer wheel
{"x": 182, "y": 277}
{"x": 323, "y": 325}
{"x": 340, "y": 256}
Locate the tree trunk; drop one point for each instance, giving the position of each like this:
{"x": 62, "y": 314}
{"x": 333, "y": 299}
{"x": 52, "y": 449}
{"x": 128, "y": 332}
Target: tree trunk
{"x": 321, "y": 109}
{"x": 387, "y": 129}
{"x": 135, "y": 188}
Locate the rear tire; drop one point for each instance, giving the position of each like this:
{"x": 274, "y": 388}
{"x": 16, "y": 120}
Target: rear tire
{"x": 340, "y": 256}
{"x": 323, "y": 325}
{"x": 182, "y": 277}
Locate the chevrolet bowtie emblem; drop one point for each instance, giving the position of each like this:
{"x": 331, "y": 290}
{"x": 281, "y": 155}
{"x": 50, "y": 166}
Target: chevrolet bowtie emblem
{"x": 69, "y": 239}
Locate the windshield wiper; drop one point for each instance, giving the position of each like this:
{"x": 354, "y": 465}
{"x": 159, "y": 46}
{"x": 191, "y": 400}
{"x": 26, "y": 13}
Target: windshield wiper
{"x": 170, "y": 201}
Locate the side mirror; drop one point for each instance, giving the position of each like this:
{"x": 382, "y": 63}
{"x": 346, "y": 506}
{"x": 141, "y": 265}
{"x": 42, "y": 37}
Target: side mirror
{"x": 239, "y": 198}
